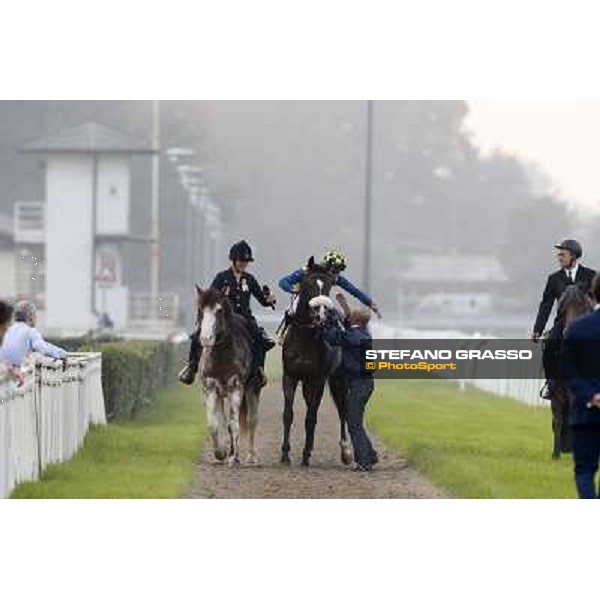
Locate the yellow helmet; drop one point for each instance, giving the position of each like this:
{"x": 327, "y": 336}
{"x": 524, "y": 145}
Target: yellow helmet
{"x": 334, "y": 260}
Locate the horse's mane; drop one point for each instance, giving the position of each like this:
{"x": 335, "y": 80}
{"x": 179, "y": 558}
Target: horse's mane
{"x": 209, "y": 297}
{"x": 573, "y": 297}
{"x": 316, "y": 269}
{"x": 212, "y": 296}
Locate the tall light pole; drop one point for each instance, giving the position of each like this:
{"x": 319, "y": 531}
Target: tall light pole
{"x": 155, "y": 258}
{"x": 367, "y": 250}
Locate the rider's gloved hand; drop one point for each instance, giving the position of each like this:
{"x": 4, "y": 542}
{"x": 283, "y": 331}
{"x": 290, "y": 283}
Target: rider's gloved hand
{"x": 269, "y": 297}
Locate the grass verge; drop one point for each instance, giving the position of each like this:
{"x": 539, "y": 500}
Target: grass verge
{"x": 150, "y": 456}
{"x": 471, "y": 443}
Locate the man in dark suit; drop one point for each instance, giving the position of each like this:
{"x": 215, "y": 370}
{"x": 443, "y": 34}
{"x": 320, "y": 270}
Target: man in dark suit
{"x": 580, "y": 366}
{"x": 571, "y": 272}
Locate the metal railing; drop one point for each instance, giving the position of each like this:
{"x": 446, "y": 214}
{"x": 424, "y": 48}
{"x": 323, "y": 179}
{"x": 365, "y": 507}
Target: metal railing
{"x": 46, "y": 419}
{"x": 30, "y": 222}
{"x": 146, "y": 309}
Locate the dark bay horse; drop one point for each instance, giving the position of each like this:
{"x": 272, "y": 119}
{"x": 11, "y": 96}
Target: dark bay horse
{"x": 573, "y": 303}
{"x": 225, "y": 363}
{"x": 309, "y": 360}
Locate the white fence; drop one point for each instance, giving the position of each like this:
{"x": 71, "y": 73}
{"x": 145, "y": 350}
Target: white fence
{"x": 45, "y": 420}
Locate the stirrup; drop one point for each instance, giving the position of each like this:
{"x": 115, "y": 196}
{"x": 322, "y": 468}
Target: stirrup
{"x": 545, "y": 391}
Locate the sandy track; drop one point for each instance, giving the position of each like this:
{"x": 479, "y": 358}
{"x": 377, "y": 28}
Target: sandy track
{"x": 327, "y": 477}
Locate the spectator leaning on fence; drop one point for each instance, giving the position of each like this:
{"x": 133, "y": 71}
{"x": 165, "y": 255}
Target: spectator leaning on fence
{"x": 6, "y": 312}
{"x": 22, "y": 337}
{"x": 580, "y": 363}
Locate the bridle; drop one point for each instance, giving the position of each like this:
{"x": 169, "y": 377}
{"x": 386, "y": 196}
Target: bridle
{"x": 223, "y": 335}
{"x": 308, "y": 321}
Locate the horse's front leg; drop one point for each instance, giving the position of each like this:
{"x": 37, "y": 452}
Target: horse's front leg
{"x": 236, "y": 394}
{"x": 312, "y": 396}
{"x": 214, "y": 417}
{"x": 557, "y": 424}
{"x": 289, "y": 391}
{"x": 252, "y": 399}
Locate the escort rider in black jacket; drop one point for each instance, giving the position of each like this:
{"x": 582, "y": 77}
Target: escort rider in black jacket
{"x": 238, "y": 285}
{"x": 571, "y": 272}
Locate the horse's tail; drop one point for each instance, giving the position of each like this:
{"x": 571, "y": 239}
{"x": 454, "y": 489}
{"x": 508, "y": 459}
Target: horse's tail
{"x": 244, "y": 416}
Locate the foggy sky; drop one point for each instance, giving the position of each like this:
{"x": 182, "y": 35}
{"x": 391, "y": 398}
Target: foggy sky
{"x": 562, "y": 136}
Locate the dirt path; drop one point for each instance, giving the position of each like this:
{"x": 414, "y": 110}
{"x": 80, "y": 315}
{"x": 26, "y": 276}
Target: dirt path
{"x": 325, "y": 478}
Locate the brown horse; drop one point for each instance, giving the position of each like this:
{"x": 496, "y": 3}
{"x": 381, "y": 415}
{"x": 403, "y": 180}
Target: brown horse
{"x": 309, "y": 360}
{"x": 573, "y": 303}
{"x": 225, "y": 363}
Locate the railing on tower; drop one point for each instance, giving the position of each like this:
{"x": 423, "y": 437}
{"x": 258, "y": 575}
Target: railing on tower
{"x": 30, "y": 222}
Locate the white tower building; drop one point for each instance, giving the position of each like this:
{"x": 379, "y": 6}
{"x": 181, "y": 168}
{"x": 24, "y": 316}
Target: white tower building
{"x": 87, "y": 205}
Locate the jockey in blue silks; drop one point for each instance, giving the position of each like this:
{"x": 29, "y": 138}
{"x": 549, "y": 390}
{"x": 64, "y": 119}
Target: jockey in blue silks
{"x": 335, "y": 262}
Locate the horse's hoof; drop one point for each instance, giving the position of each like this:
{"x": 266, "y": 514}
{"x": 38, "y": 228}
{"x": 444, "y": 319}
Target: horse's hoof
{"x": 252, "y": 460}
{"x": 305, "y": 462}
{"x": 285, "y": 460}
{"x": 555, "y": 456}
{"x": 232, "y": 461}
{"x": 220, "y": 454}
{"x": 346, "y": 454}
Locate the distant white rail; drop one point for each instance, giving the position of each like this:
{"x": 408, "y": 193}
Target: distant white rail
{"x": 45, "y": 420}
{"x": 524, "y": 390}
{"x": 149, "y": 312}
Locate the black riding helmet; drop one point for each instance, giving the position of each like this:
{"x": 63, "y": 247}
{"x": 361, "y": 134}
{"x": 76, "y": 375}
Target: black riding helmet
{"x": 572, "y": 246}
{"x": 241, "y": 251}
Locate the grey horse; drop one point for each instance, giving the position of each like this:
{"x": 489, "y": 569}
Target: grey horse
{"x": 225, "y": 363}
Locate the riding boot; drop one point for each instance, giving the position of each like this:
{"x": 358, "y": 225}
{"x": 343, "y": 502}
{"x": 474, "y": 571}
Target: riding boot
{"x": 188, "y": 373}
{"x": 257, "y": 376}
{"x": 266, "y": 340}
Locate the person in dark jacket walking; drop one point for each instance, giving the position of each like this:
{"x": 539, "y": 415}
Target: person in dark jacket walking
{"x": 580, "y": 365}
{"x": 352, "y": 338}
{"x": 571, "y": 272}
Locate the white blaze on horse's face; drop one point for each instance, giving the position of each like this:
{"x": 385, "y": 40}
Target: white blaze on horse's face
{"x": 320, "y": 305}
{"x": 208, "y": 327}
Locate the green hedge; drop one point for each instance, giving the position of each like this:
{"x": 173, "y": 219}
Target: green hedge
{"x": 74, "y": 344}
{"x": 132, "y": 371}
